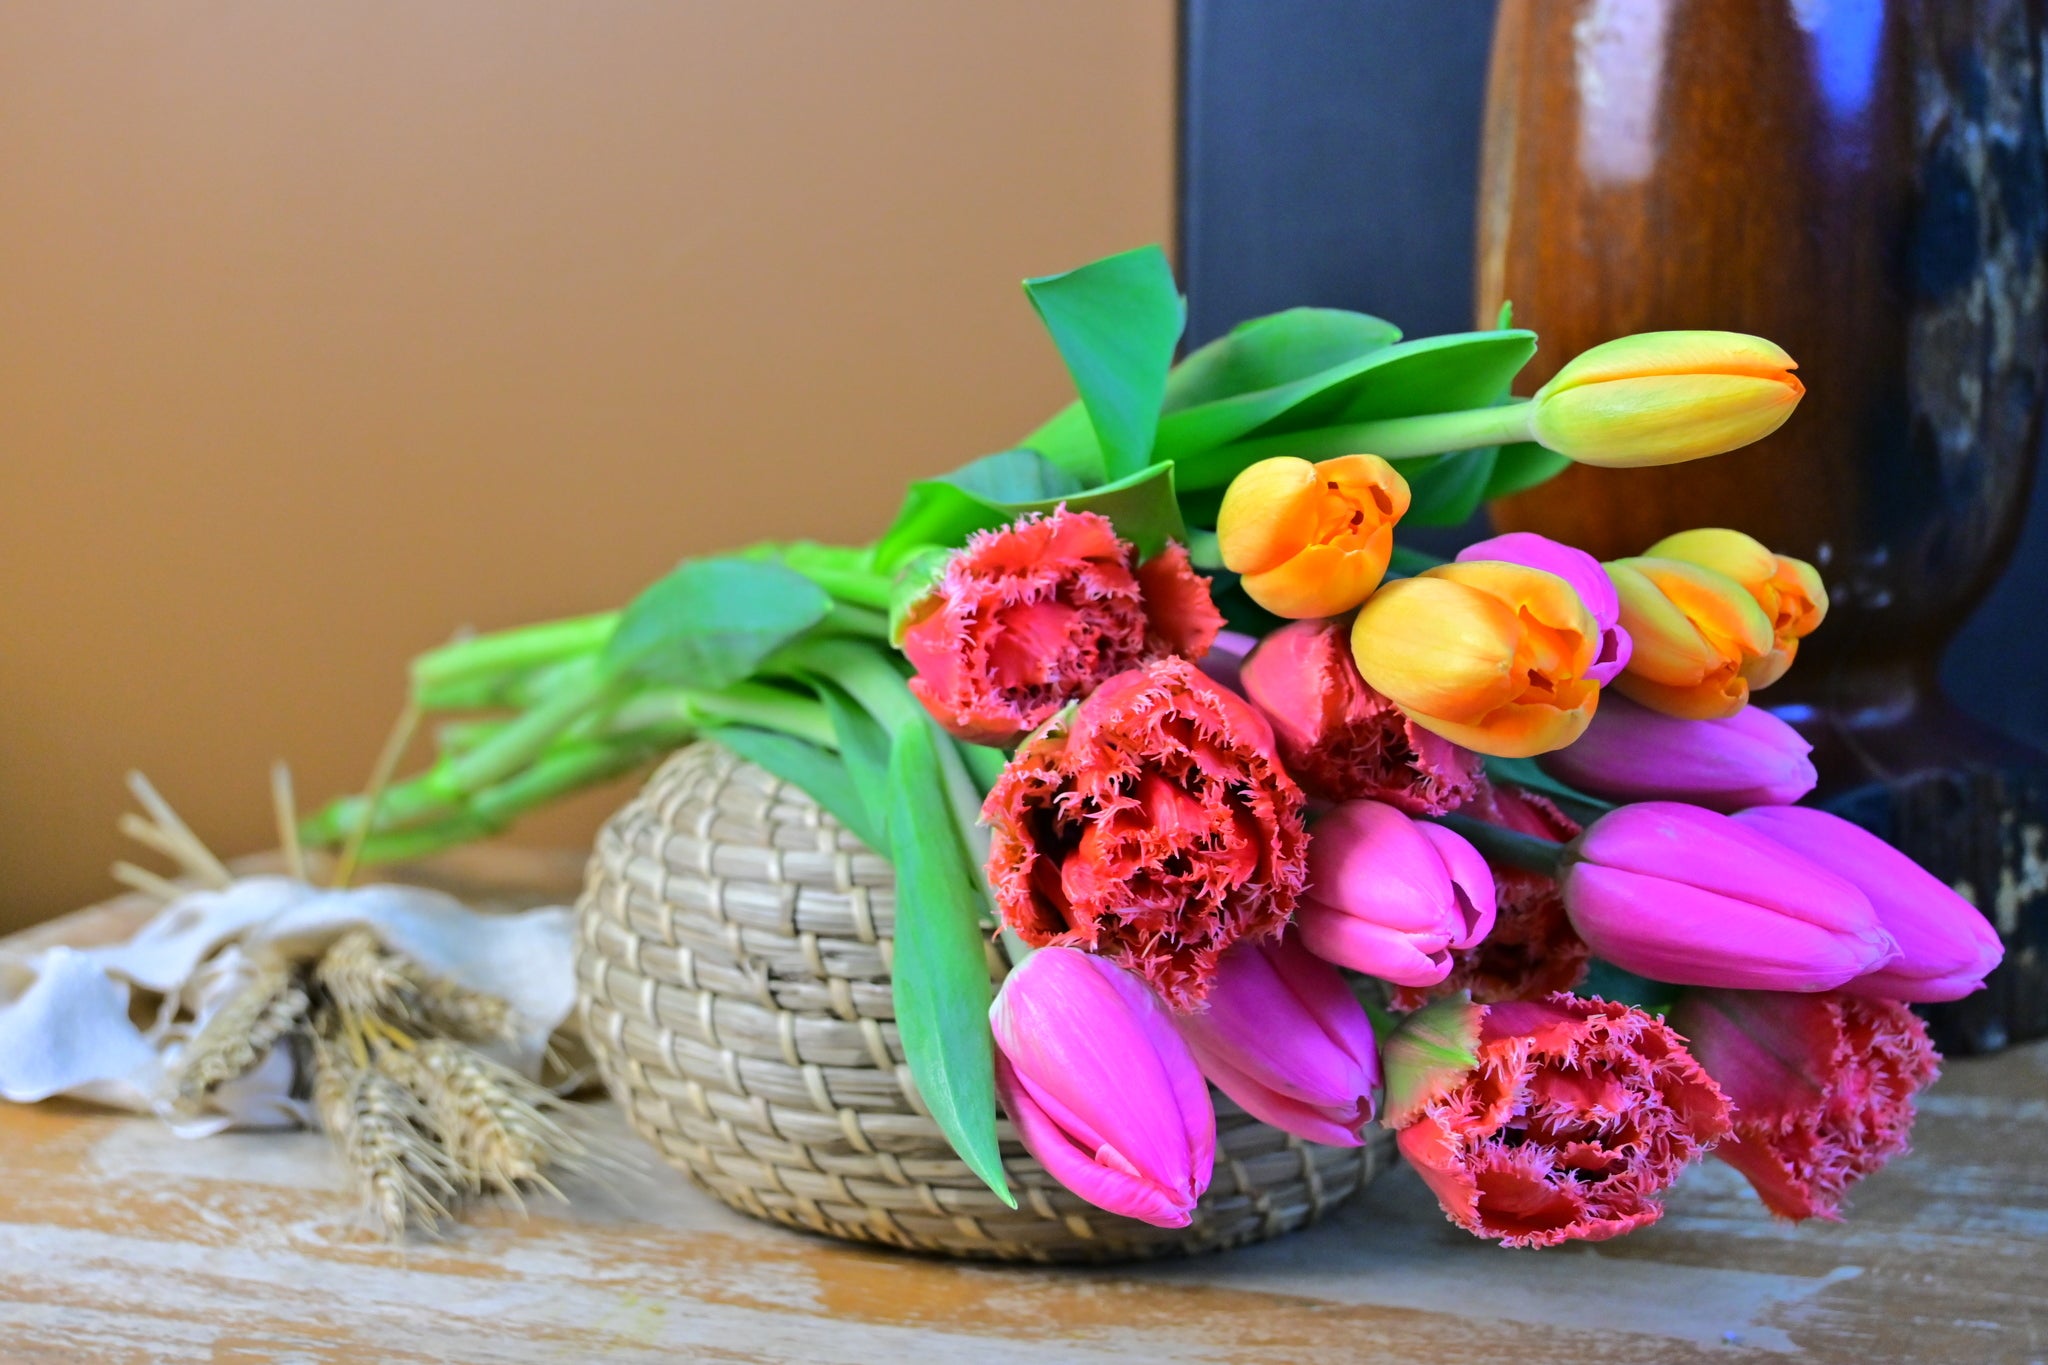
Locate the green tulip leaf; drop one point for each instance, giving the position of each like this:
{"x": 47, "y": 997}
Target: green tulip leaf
{"x": 711, "y": 622}
{"x": 1528, "y": 774}
{"x": 940, "y": 971}
{"x": 1408, "y": 379}
{"x": 1523, "y": 466}
{"x": 1116, "y": 322}
{"x": 864, "y": 752}
{"x": 1142, "y": 507}
{"x": 943, "y": 513}
{"x": 1267, "y": 352}
{"x": 1447, "y": 489}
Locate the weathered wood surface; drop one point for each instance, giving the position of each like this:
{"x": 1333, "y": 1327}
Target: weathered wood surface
{"x": 120, "y": 1242}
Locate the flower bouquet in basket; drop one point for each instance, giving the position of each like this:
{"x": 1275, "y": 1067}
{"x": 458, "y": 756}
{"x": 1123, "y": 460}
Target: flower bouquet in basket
{"x": 1495, "y": 852}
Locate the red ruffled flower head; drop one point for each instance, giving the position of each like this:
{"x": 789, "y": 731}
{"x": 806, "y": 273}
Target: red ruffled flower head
{"x": 1038, "y": 613}
{"x": 1342, "y": 740}
{"x": 1154, "y": 826}
{"x": 1533, "y": 951}
{"x": 1570, "y": 1122}
{"x": 1823, "y": 1087}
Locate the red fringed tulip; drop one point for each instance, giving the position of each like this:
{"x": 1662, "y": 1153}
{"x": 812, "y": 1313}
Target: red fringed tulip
{"x": 1946, "y": 946}
{"x": 1101, "y": 1089}
{"x": 1154, "y": 825}
{"x": 1588, "y": 580}
{"x": 1631, "y": 753}
{"x": 1532, "y": 951}
{"x": 1343, "y": 741}
{"x": 1036, "y": 614}
{"x": 1823, "y": 1088}
{"x": 1285, "y": 1037}
{"x": 1683, "y": 895}
{"x": 1487, "y": 654}
{"x": 1788, "y": 590}
{"x": 1544, "y": 1121}
{"x": 1311, "y": 539}
{"x": 1392, "y": 897}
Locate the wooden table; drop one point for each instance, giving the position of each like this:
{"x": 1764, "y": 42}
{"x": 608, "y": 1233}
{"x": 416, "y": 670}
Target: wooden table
{"x": 120, "y": 1242}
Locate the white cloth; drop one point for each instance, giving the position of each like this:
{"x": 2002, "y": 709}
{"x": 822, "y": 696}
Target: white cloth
{"x": 67, "y": 1015}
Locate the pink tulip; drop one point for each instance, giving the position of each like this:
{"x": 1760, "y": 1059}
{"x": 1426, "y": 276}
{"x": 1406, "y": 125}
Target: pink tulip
{"x": 1392, "y": 897}
{"x": 1101, "y": 1089}
{"x": 1632, "y": 753}
{"x": 1588, "y": 580}
{"x": 1683, "y": 895}
{"x": 1946, "y": 946}
{"x": 1286, "y": 1038}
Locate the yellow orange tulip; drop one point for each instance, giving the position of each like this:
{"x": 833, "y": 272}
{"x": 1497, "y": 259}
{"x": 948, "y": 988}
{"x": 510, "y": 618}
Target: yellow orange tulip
{"x": 1789, "y": 590}
{"x": 1664, "y": 397}
{"x": 1311, "y": 539}
{"x": 1487, "y": 654}
{"x": 1695, "y": 631}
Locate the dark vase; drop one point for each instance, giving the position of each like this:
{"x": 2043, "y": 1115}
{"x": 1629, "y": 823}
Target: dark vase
{"x": 1864, "y": 182}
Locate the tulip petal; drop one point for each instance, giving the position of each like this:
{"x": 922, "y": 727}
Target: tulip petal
{"x": 1946, "y": 946}
{"x": 1269, "y": 513}
{"x": 1472, "y": 878}
{"x": 1674, "y": 353}
{"x": 1651, "y": 420}
{"x": 1103, "y": 1186}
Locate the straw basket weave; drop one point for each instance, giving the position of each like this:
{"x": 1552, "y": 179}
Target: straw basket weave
{"x": 733, "y": 965}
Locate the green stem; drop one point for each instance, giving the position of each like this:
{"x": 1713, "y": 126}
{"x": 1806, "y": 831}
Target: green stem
{"x": 1205, "y": 551}
{"x": 746, "y": 703}
{"x": 863, "y": 670}
{"x": 525, "y": 738}
{"x": 509, "y": 652}
{"x": 845, "y": 619}
{"x": 1497, "y": 845}
{"x": 1394, "y": 438}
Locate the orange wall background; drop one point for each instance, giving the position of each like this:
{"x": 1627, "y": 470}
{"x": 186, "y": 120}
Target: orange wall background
{"x": 326, "y": 329}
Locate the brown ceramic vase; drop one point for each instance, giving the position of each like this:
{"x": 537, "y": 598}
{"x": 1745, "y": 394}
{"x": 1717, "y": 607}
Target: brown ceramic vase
{"x": 1864, "y": 182}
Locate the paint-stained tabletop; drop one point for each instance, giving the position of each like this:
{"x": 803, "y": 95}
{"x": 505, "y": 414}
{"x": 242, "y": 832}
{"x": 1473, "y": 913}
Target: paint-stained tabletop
{"x": 120, "y": 1241}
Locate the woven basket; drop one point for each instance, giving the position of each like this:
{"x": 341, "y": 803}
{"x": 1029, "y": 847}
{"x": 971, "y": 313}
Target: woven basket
{"x": 733, "y": 965}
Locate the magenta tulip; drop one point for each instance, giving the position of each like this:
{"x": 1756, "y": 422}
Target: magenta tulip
{"x": 1588, "y": 580}
{"x": 1392, "y": 897}
{"x": 1946, "y": 946}
{"x": 1632, "y": 753}
{"x": 1683, "y": 895}
{"x": 1101, "y": 1089}
{"x": 1285, "y": 1037}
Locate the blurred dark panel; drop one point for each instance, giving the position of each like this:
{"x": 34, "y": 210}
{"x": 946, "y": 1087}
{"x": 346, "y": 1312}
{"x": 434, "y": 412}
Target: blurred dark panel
{"x": 1329, "y": 155}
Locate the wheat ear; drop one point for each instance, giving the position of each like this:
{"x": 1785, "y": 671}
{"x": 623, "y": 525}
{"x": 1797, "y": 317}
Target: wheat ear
{"x": 381, "y": 1131}
{"x": 240, "y": 1034}
{"x": 368, "y": 980}
{"x": 494, "y": 1122}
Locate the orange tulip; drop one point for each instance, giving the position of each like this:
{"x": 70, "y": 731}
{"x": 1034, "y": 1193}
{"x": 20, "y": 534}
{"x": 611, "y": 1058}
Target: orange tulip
{"x": 1789, "y": 590}
{"x": 1311, "y": 539}
{"x": 1697, "y": 635}
{"x": 1487, "y": 654}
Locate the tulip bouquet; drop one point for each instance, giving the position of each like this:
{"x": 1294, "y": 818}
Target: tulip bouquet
{"x": 1493, "y": 851}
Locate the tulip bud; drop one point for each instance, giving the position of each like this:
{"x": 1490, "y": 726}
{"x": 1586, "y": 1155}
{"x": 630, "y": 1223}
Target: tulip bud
{"x": 1682, "y": 895}
{"x": 1101, "y": 1089}
{"x": 1788, "y": 590}
{"x": 1697, "y": 636}
{"x": 1588, "y": 580}
{"x": 1392, "y": 897}
{"x": 1822, "y": 1085}
{"x": 1341, "y": 740}
{"x": 1631, "y": 753}
{"x": 1311, "y": 539}
{"x": 1663, "y": 397}
{"x": 1490, "y": 655}
{"x": 1946, "y": 946}
{"x": 1285, "y": 1037}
